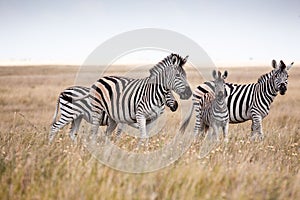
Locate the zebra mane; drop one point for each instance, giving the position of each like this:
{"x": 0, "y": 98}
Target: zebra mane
{"x": 167, "y": 61}
{"x": 265, "y": 77}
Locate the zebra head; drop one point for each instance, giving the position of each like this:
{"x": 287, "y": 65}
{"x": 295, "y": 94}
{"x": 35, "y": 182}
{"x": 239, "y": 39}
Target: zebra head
{"x": 176, "y": 77}
{"x": 219, "y": 81}
{"x": 170, "y": 73}
{"x": 280, "y": 76}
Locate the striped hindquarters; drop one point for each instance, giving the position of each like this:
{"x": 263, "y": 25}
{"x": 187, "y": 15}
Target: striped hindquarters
{"x": 203, "y": 93}
{"x": 71, "y": 108}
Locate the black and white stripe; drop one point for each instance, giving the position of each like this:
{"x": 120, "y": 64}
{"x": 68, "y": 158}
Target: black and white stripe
{"x": 251, "y": 101}
{"x": 73, "y": 110}
{"x": 138, "y": 102}
{"x": 214, "y": 114}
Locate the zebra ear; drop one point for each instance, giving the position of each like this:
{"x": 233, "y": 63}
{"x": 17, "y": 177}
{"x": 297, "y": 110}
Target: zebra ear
{"x": 274, "y": 64}
{"x": 282, "y": 65}
{"x": 185, "y": 59}
{"x": 289, "y": 66}
{"x": 214, "y": 73}
{"x": 174, "y": 59}
{"x": 225, "y": 74}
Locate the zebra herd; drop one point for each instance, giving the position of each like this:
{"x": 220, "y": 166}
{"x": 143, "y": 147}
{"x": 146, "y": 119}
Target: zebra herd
{"x": 115, "y": 101}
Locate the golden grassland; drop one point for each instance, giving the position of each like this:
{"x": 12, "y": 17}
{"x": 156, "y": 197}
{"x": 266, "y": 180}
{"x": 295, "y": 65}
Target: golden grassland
{"x": 32, "y": 169}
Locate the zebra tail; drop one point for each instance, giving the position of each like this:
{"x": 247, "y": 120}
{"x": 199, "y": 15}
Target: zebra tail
{"x": 186, "y": 121}
{"x": 56, "y": 110}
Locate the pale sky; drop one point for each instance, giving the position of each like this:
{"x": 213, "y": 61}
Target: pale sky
{"x": 229, "y": 31}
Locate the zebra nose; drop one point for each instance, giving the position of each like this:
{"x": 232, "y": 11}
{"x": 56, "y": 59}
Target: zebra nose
{"x": 174, "y": 107}
{"x": 188, "y": 92}
{"x": 220, "y": 94}
{"x": 282, "y": 88}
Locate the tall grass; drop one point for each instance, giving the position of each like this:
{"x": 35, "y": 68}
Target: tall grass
{"x": 32, "y": 169}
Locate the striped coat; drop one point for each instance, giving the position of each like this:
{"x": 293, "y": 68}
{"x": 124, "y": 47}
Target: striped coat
{"x": 138, "y": 101}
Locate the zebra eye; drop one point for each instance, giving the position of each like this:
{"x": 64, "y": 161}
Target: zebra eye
{"x": 177, "y": 75}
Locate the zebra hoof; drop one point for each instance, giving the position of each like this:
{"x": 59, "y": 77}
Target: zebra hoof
{"x": 259, "y": 137}
{"x": 226, "y": 140}
{"x": 174, "y": 107}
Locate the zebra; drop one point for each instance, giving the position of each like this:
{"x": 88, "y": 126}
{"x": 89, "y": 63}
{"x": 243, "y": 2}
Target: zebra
{"x": 214, "y": 114}
{"x": 138, "y": 101}
{"x": 73, "y": 111}
{"x": 250, "y": 101}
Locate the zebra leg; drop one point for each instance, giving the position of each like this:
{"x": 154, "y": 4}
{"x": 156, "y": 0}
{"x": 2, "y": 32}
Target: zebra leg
{"x": 75, "y": 127}
{"x": 141, "y": 120}
{"x": 225, "y": 132}
{"x": 198, "y": 123}
{"x": 216, "y": 132}
{"x": 202, "y": 127}
{"x": 120, "y": 129}
{"x": 210, "y": 133}
{"x": 61, "y": 123}
{"x": 96, "y": 118}
{"x": 256, "y": 127}
{"x": 111, "y": 127}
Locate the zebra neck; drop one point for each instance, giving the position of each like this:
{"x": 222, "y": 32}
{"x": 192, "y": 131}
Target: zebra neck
{"x": 267, "y": 90}
{"x": 156, "y": 91}
{"x": 159, "y": 81}
{"x": 266, "y": 81}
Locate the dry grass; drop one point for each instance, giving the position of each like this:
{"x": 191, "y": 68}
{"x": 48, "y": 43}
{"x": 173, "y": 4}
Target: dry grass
{"x": 31, "y": 169}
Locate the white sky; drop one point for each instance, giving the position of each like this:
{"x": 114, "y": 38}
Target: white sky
{"x": 231, "y": 32}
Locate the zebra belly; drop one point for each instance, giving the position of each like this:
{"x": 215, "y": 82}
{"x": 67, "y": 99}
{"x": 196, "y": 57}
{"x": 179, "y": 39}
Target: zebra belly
{"x": 150, "y": 114}
{"x": 238, "y": 114}
{"x": 233, "y": 120}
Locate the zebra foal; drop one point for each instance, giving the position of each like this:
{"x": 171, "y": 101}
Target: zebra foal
{"x": 214, "y": 114}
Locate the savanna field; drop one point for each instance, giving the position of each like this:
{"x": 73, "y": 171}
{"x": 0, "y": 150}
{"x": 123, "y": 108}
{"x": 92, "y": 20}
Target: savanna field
{"x": 30, "y": 168}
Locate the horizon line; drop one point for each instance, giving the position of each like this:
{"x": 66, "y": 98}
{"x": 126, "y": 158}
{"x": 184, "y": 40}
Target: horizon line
{"x": 220, "y": 64}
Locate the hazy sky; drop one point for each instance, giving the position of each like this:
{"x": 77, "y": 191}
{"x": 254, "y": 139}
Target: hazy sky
{"x": 229, "y": 31}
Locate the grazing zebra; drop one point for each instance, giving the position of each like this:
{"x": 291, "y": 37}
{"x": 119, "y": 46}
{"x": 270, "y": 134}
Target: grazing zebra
{"x": 138, "y": 101}
{"x": 73, "y": 111}
{"x": 214, "y": 114}
{"x": 250, "y": 101}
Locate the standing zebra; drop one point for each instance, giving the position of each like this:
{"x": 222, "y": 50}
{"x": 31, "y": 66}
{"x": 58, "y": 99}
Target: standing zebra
{"x": 139, "y": 100}
{"x": 250, "y": 101}
{"x": 73, "y": 111}
{"x": 214, "y": 114}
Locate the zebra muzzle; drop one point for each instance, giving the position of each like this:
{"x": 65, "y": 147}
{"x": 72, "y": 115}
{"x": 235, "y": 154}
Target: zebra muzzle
{"x": 282, "y": 88}
{"x": 174, "y": 107}
{"x": 186, "y": 94}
